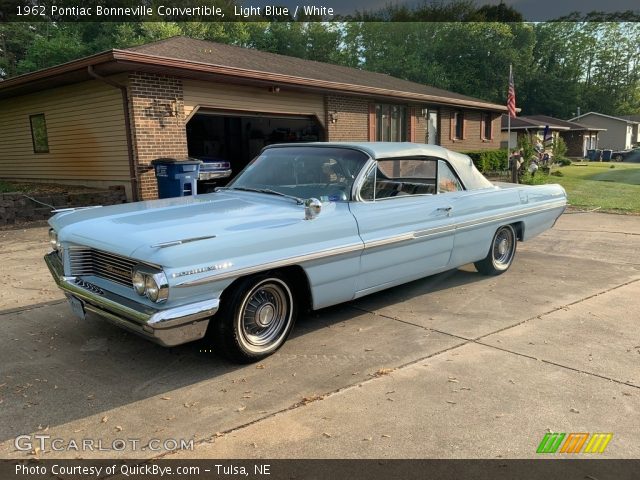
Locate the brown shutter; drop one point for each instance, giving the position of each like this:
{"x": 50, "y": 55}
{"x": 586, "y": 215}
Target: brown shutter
{"x": 464, "y": 126}
{"x": 482, "y": 122}
{"x": 413, "y": 120}
{"x": 452, "y": 126}
{"x": 491, "y": 120}
{"x": 372, "y": 122}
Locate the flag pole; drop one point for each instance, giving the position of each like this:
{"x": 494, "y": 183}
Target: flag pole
{"x": 514, "y": 160}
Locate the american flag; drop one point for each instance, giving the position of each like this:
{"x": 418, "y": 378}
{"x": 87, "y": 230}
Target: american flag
{"x": 511, "y": 96}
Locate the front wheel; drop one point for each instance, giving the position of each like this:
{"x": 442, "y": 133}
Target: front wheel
{"x": 255, "y": 318}
{"x": 501, "y": 253}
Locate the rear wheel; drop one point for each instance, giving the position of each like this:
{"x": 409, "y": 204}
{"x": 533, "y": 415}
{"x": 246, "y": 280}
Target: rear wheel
{"x": 501, "y": 253}
{"x": 255, "y": 318}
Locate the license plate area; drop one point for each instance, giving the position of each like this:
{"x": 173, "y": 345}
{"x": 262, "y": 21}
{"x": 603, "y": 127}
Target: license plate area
{"x": 77, "y": 307}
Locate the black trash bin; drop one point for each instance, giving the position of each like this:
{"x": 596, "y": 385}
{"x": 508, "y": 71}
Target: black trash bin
{"x": 606, "y": 155}
{"x": 176, "y": 178}
{"x": 591, "y": 154}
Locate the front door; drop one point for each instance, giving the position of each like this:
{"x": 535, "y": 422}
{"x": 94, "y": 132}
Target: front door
{"x": 406, "y": 216}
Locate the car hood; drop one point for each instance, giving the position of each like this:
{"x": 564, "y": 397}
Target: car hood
{"x": 125, "y": 228}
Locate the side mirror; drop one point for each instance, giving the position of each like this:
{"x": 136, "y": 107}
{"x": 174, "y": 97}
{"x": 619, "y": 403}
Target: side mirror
{"x": 312, "y": 208}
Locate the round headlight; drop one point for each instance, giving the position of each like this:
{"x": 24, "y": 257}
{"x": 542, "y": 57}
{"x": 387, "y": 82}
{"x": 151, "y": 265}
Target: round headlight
{"x": 138, "y": 280}
{"x": 152, "y": 290}
{"x": 53, "y": 239}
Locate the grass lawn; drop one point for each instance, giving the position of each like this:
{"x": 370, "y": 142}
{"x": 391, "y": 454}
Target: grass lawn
{"x": 596, "y": 184}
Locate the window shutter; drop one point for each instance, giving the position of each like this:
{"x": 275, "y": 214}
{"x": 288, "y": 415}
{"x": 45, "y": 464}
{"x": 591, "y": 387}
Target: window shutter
{"x": 464, "y": 126}
{"x": 490, "y": 117}
{"x": 452, "y": 126}
{"x": 372, "y": 122}
{"x": 413, "y": 121}
{"x": 483, "y": 120}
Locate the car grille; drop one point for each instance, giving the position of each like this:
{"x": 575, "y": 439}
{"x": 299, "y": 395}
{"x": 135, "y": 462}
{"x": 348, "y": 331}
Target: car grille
{"x": 89, "y": 261}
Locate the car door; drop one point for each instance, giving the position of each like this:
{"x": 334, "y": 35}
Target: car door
{"x": 406, "y": 225}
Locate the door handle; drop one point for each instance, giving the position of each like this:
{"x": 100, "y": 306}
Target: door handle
{"x": 446, "y": 209}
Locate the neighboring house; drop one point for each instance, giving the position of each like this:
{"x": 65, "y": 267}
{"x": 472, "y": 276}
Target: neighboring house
{"x": 635, "y": 132}
{"x": 578, "y": 138}
{"x": 619, "y": 134}
{"x": 102, "y": 119}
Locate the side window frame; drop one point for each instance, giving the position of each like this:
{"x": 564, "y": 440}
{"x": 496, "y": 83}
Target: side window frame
{"x": 455, "y": 174}
{"x": 36, "y": 147}
{"x": 360, "y": 184}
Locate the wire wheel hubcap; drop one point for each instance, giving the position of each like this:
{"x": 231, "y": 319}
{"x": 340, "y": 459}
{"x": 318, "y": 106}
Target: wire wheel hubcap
{"x": 503, "y": 248}
{"x": 265, "y": 315}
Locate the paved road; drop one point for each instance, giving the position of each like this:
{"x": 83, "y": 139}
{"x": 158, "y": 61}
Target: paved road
{"x": 456, "y": 365}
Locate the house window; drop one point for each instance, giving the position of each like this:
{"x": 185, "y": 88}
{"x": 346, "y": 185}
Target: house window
{"x": 487, "y": 130}
{"x": 39, "y": 133}
{"x": 391, "y": 123}
{"x": 457, "y": 126}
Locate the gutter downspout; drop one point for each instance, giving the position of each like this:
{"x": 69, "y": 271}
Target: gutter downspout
{"x": 133, "y": 172}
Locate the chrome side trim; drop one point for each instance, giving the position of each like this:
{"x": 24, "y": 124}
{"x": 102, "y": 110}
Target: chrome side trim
{"x": 73, "y": 209}
{"x": 181, "y": 241}
{"x": 405, "y": 237}
{"x": 329, "y": 252}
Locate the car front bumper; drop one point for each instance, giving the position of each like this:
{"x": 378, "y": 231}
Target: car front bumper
{"x": 168, "y": 327}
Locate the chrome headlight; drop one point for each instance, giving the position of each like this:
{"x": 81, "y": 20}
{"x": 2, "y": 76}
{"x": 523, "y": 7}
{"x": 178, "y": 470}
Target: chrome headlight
{"x": 150, "y": 282}
{"x": 53, "y": 239}
{"x": 138, "y": 280}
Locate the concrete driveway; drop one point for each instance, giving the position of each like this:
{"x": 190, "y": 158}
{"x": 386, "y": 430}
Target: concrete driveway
{"x": 456, "y": 365}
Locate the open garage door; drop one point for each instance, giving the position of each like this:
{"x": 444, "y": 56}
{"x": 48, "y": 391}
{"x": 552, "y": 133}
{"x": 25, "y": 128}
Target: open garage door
{"x": 239, "y": 137}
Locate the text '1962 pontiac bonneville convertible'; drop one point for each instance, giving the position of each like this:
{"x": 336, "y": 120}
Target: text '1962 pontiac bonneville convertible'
{"x": 302, "y": 226}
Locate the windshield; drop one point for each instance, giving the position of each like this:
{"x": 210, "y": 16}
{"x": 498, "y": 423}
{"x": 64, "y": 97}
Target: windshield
{"x": 326, "y": 173}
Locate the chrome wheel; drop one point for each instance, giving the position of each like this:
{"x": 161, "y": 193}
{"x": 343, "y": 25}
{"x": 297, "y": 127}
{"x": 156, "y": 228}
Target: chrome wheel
{"x": 503, "y": 248}
{"x": 265, "y": 315}
{"x": 501, "y": 252}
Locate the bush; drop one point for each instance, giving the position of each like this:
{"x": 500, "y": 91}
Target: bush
{"x": 557, "y": 173}
{"x": 490, "y": 160}
{"x": 565, "y": 162}
{"x": 537, "y": 179}
{"x": 612, "y": 166}
{"x": 559, "y": 148}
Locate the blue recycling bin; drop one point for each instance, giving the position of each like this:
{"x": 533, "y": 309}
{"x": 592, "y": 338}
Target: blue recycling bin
{"x": 606, "y": 155}
{"x": 591, "y": 154}
{"x": 176, "y": 178}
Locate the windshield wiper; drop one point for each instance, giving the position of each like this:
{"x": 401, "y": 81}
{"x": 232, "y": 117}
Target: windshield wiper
{"x": 268, "y": 191}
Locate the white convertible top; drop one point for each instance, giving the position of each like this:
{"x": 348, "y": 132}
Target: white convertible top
{"x": 463, "y": 165}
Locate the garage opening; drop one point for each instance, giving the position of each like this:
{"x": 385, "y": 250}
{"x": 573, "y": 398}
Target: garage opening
{"x": 238, "y": 137}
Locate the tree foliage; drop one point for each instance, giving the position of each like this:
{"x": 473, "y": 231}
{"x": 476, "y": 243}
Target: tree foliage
{"x": 559, "y": 67}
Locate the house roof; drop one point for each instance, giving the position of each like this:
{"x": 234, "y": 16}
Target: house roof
{"x": 541, "y": 121}
{"x": 633, "y": 118}
{"x": 187, "y": 57}
{"x": 620, "y": 119}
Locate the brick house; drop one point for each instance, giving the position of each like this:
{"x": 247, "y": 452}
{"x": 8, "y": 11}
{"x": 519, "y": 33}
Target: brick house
{"x": 101, "y": 120}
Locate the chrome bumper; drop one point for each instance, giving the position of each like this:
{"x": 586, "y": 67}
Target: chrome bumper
{"x": 213, "y": 175}
{"x": 168, "y": 327}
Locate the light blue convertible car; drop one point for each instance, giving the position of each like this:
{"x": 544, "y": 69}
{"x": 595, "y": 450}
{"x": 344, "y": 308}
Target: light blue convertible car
{"x": 303, "y": 226}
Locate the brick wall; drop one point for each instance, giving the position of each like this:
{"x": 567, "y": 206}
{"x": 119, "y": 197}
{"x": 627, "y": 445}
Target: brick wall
{"x": 352, "y": 118}
{"x": 158, "y": 124}
{"x": 472, "y": 140}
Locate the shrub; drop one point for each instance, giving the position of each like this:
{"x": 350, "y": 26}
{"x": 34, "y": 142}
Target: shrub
{"x": 559, "y": 148}
{"x": 537, "y": 179}
{"x": 489, "y": 160}
{"x": 612, "y": 166}
{"x": 565, "y": 162}
{"x": 557, "y": 173}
